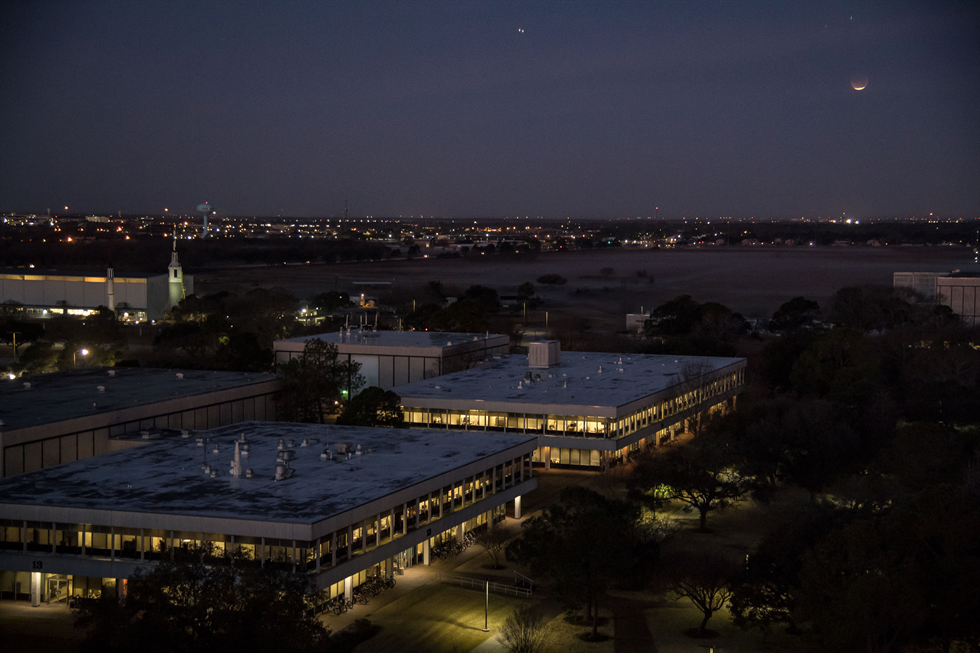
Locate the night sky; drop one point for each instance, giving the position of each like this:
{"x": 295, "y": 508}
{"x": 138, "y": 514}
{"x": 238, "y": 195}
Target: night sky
{"x": 491, "y": 109}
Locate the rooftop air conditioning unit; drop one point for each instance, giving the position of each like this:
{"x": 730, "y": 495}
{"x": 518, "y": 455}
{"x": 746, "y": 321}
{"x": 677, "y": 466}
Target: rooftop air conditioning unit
{"x": 546, "y": 353}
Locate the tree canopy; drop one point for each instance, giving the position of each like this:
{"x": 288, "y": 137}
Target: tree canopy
{"x": 316, "y": 383}
{"x": 373, "y": 407}
{"x": 702, "y": 475}
{"x": 584, "y": 545}
{"x": 197, "y": 601}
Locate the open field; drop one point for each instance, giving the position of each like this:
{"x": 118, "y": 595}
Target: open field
{"x": 753, "y": 281}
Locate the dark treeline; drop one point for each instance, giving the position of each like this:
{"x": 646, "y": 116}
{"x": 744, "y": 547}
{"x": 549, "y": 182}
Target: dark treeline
{"x": 153, "y": 255}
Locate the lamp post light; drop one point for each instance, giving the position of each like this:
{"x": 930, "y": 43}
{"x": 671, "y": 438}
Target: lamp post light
{"x": 486, "y": 611}
{"x": 83, "y": 352}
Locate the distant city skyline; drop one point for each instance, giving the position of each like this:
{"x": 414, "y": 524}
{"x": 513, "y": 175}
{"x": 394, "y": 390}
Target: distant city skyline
{"x": 772, "y": 110}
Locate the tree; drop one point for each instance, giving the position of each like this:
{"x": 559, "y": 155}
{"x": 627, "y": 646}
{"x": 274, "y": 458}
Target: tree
{"x": 373, "y": 407}
{"x": 525, "y": 290}
{"x": 794, "y": 314}
{"x": 328, "y": 302}
{"x": 702, "y": 475}
{"x": 806, "y": 443}
{"x": 552, "y": 280}
{"x": 523, "y": 631}
{"x": 859, "y": 590}
{"x": 316, "y": 382}
{"x": 492, "y": 539}
{"x": 197, "y": 600}
{"x": 704, "y": 577}
{"x": 21, "y": 332}
{"x": 694, "y": 384}
{"x": 584, "y": 545}
{"x": 676, "y": 317}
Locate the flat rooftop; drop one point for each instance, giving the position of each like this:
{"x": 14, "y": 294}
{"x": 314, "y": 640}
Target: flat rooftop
{"x": 68, "y": 395}
{"x": 588, "y": 384}
{"x": 35, "y": 274}
{"x": 166, "y": 476}
{"x": 398, "y": 339}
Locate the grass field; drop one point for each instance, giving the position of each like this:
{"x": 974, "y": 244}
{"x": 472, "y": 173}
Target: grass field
{"x": 753, "y": 281}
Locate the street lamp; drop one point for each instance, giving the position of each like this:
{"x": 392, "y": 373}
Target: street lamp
{"x": 83, "y": 352}
{"x": 486, "y": 613}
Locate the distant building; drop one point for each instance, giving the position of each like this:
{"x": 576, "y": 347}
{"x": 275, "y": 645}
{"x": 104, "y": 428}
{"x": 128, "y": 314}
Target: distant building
{"x": 53, "y": 419}
{"x": 636, "y": 321}
{"x": 134, "y": 297}
{"x": 584, "y": 408}
{"x": 958, "y": 290}
{"x": 338, "y": 504}
{"x": 961, "y": 292}
{"x": 393, "y": 358}
{"x": 923, "y": 283}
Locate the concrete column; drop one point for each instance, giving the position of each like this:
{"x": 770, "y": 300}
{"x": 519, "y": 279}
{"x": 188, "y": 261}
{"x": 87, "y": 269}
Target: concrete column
{"x": 405, "y": 518}
{"x": 493, "y": 480}
{"x": 54, "y": 536}
{"x": 112, "y": 542}
{"x": 364, "y": 536}
{"x": 605, "y": 461}
{"x": 547, "y": 457}
{"x": 318, "y": 552}
{"x": 262, "y": 552}
{"x": 348, "y": 588}
{"x": 143, "y": 543}
{"x": 522, "y": 469}
{"x": 23, "y": 536}
{"x": 294, "y": 556}
{"x": 350, "y": 540}
{"x": 35, "y": 589}
{"x": 333, "y": 549}
{"x": 425, "y": 553}
{"x": 517, "y": 507}
{"x": 82, "y": 536}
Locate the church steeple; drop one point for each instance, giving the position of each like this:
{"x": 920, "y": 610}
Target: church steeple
{"x": 176, "y": 274}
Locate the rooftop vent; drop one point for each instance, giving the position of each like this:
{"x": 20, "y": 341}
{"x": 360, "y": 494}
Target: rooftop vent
{"x": 184, "y": 433}
{"x": 249, "y": 473}
{"x": 101, "y": 388}
{"x": 27, "y": 385}
{"x": 200, "y": 441}
{"x": 546, "y": 353}
{"x": 180, "y": 375}
{"x": 112, "y": 372}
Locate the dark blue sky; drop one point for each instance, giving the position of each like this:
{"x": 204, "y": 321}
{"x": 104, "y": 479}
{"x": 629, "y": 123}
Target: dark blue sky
{"x": 595, "y": 110}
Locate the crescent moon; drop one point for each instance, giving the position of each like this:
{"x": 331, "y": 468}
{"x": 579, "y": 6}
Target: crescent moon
{"x": 859, "y": 82}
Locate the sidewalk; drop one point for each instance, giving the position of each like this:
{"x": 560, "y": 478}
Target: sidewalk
{"x": 417, "y": 577}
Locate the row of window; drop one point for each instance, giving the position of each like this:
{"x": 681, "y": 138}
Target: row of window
{"x": 572, "y": 425}
{"x": 150, "y": 544}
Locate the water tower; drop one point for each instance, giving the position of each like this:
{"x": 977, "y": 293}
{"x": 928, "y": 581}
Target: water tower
{"x": 205, "y": 210}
